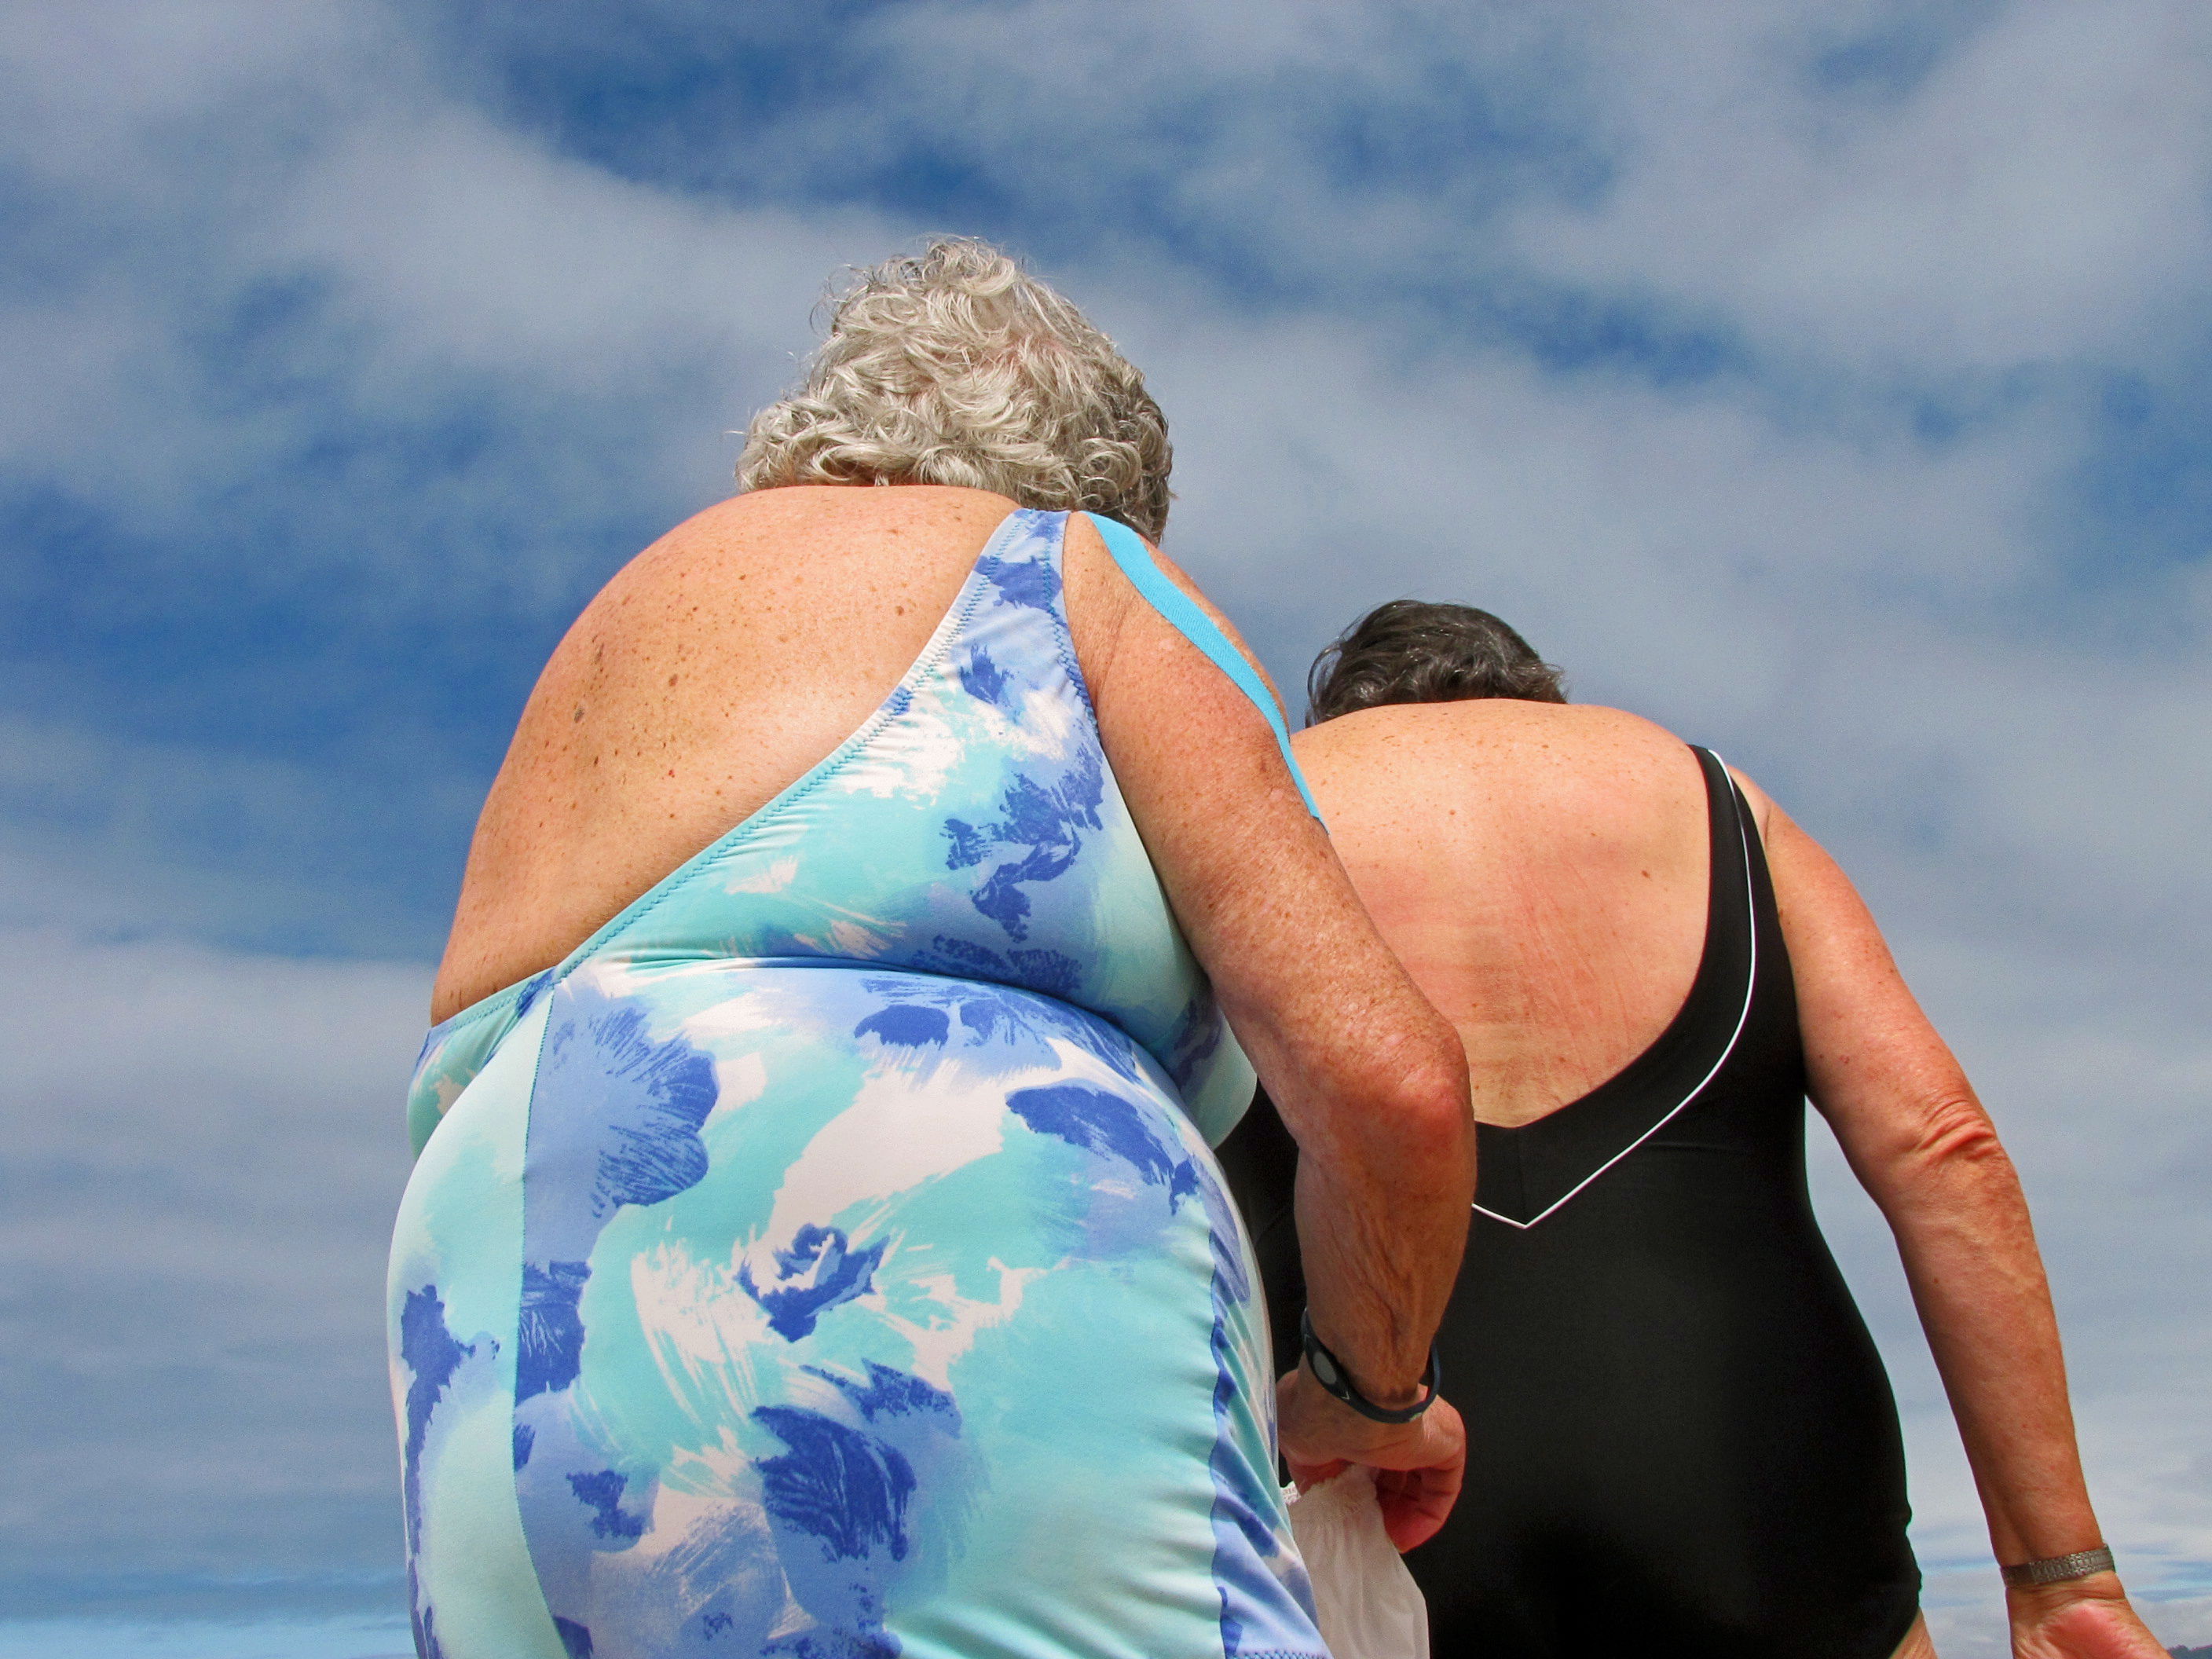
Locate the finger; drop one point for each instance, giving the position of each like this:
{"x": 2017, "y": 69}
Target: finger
{"x": 1414, "y": 1516}
{"x": 1416, "y": 1502}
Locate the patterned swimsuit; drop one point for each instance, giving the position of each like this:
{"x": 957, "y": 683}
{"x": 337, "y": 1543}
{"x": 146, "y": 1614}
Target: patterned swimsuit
{"x": 826, "y": 1259}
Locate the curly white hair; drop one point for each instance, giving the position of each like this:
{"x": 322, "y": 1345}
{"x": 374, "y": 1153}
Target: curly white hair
{"x": 954, "y": 366}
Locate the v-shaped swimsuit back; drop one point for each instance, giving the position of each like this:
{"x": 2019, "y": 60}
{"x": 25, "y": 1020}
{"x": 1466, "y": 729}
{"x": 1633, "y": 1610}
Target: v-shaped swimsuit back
{"x": 826, "y": 1259}
{"x": 1680, "y": 1439}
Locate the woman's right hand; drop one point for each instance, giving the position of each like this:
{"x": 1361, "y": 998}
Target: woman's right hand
{"x": 1418, "y": 1465}
{"x": 2081, "y": 1618}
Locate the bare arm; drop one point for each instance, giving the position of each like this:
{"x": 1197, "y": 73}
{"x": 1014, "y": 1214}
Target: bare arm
{"x": 1919, "y": 1141}
{"x": 1370, "y": 1079}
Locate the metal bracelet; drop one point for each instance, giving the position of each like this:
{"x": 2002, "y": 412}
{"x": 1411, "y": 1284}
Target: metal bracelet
{"x": 2057, "y": 1569}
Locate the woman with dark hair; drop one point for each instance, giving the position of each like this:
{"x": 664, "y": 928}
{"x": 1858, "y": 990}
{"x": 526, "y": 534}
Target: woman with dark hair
{"x": 1412, "y": 651}
{"x": 813, "y": 1249}
{"x": 1679, "y": 1436}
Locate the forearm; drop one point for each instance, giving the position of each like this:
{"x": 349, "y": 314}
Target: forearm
{"x": 1978, "y": 1279}
{"x": 1378, "y": 1276}
{"x": 1384, "y": 1185}
{"x": 1382, "y": 1209}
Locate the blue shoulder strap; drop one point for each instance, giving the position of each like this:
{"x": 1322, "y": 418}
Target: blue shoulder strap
{"x": 1184, "y": 616}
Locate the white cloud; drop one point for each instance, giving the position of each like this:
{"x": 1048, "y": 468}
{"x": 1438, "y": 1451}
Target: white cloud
{"x": 455, "y": 239}
{"x": 134, "y": 836}
{"x": 596, "y": 341}
{"x": 1774, "y": 558}
{"x": 205, "y": 1152}
{"x": 2042, "y": 193}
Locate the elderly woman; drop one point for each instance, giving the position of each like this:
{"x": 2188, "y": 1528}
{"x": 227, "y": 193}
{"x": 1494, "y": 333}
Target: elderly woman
{"x": 813, "y": 1247}
{"x": 1680, "y": 1438}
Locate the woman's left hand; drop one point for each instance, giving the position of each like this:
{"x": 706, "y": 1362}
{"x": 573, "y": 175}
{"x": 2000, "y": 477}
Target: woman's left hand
{"x": 2083, "y": 1619}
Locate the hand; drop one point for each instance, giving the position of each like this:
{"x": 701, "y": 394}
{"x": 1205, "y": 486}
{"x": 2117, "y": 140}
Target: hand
{"x": 2081, "y": 1618}
{"x": 1418, "y": 1464}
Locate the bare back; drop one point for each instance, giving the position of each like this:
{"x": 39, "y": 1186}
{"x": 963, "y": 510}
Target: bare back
{"x": 744, "y": 646}
{"x": 718, "y": 667}
{"x": 1541, "y": 870}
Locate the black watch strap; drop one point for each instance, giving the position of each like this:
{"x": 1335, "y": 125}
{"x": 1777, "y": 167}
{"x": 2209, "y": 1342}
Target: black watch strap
{"x": 1329, "y": 1372}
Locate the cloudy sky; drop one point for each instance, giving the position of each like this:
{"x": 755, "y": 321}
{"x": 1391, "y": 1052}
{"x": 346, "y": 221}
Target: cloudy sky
{"x": 1827, "y": 381}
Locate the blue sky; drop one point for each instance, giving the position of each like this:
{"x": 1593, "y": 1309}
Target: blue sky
{"x": 1826, "y": 381}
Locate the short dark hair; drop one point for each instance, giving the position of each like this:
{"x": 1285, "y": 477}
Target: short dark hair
{"x": 1418, "y": 651}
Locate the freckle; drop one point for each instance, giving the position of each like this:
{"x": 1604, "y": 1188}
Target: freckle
{"x": 578, "y": 715}
{"x": 671, "y": 679}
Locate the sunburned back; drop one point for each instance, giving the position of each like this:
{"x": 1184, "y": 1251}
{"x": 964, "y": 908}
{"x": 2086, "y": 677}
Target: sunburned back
{"x": 719, "y": 665}
{"x": 1541, "y": 869}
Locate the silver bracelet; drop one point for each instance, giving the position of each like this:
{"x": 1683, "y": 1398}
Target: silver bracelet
{"x": 2057, "y": 1569}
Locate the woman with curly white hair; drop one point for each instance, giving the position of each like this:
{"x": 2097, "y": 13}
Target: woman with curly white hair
{"x": 814, "y": 1246}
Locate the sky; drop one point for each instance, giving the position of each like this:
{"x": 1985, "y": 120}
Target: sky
{"x": 1826, "y": 380}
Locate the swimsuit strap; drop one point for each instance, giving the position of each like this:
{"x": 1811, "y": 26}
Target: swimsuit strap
{"x": 1724, "y": 796}
{"x": 1183, "y": 614}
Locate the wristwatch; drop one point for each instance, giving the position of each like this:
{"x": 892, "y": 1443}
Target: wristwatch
{"x": 1329, "y": 1372}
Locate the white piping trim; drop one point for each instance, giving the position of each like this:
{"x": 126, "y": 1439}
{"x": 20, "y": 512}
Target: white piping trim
{"x": 1750, "y": 988}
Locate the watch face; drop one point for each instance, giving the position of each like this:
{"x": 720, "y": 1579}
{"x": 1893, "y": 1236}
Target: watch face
{"x": 1324, "y": 1367}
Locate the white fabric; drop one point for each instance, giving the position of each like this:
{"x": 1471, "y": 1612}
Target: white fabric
{"x": 1369, "y": 1607}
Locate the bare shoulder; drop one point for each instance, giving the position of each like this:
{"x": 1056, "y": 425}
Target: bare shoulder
{"x": 766, "y": 570}
{"x": 1505, "y": 725}
{"x": 716, "y": 666}
{"x": 1577, "y": 758}
{"x": 1765, "y": 813}
{"x": 792, "y": 530}
{"x": 1101, "y": 602}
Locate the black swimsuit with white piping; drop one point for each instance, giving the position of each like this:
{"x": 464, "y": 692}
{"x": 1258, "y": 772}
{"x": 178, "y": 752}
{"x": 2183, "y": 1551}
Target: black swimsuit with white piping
{"x": 1680, "y": 1438}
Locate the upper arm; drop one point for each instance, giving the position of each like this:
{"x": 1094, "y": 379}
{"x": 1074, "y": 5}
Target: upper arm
{"x": 1875, "y": 1067}
{"x": 1308, "y": 984}
{"x": 1175, "y": 574}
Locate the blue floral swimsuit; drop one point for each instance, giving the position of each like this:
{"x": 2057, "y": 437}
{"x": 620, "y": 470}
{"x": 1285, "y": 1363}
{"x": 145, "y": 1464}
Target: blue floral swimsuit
{"x": 826, "y": 1259}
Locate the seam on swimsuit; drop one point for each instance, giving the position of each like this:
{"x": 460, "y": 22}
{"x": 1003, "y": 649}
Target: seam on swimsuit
{"x": 1065, "y": 640}
{"x": 1750, "y": 993}
{"x": 453, "y": 1025}
{"x": 521, "y": 1274}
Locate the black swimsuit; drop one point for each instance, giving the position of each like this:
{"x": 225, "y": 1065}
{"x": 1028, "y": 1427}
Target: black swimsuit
{"x": 1680, "y": 1439}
